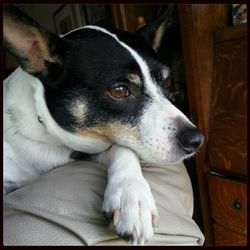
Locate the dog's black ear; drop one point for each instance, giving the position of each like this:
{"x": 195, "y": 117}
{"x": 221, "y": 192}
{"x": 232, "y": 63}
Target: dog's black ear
{"x": 37, "y": 50}
{"x": 154, "y": 31}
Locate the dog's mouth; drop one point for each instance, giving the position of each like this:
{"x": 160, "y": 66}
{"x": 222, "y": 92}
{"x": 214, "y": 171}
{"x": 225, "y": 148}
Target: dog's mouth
{"x": 176, "y": 149}
{"x": 158, "y": 151}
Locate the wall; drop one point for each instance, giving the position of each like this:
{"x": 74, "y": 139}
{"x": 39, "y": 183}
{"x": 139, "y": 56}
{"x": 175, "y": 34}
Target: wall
{"x": 42, "y": 13}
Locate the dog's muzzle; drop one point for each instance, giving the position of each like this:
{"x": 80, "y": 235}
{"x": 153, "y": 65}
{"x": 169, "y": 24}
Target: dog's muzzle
{"x": 190, "y": 140}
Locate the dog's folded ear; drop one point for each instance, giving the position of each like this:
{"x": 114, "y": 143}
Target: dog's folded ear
{"x": 37, "y": 50}
{"x": 154, "y": 31}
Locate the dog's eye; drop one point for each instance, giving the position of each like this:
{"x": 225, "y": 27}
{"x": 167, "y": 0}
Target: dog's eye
{"x": 167, "y": 83}
{"x": 119, "y": 92}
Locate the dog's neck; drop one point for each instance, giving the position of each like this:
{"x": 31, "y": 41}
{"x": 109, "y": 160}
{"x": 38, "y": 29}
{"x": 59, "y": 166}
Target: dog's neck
{"x": 20, "y": 111}
{"x": 24, "y": 106}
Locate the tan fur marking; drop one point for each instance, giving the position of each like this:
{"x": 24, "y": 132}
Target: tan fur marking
{"x": 29, "y": 42}
{"x": 158, "y": 36}
{"x": 165, "y": 73}
{"x": 134, "y": 78}
{"x": 89, "y": 132}
{"x": 110, "y": 131}
{"x": 79, "y": 110}
{"x": 113, "y": 130}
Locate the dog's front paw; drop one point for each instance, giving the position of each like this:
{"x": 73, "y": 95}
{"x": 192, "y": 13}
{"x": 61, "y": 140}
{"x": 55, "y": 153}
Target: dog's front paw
{"x": 132, "y": 207}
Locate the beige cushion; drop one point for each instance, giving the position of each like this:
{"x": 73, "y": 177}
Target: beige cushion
{"x": 63, "y": 207}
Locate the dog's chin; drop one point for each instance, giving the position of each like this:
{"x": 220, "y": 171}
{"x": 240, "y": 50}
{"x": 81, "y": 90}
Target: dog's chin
{"x": 169, "y": 160}
{"x": 182, "y": 158}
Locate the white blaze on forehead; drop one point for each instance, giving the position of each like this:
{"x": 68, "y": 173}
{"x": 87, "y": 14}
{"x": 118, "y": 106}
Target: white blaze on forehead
{"x": 148, "y": 81}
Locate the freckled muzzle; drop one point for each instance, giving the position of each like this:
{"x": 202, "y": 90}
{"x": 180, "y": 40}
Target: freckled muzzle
{"x": 190, "y": 140}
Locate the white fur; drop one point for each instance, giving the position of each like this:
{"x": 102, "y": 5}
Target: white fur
{"x": 159, "y": 127}
{"x": 128, "y": 194}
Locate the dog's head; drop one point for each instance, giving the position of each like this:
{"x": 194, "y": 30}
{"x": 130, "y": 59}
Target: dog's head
{"x": 104, "y": 84}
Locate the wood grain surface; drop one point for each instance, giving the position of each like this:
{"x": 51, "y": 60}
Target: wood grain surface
{"x": 228, "y": 203}
{"x": 225, "y": 237}
{"x": 198, "y": 24}
{"x": 228, "y": 117}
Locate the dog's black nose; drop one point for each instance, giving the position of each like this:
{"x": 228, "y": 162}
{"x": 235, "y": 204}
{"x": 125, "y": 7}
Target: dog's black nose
{"x": 190, "y": 140}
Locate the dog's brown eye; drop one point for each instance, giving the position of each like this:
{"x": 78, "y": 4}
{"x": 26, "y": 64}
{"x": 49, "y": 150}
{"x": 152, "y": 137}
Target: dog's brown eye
{"x": 118, "y": 92}
{"x": 167, "y": 83}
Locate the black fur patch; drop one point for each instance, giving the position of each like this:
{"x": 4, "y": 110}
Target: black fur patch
{"x": 82, "y": 66}
{"x": 93, "y": 62}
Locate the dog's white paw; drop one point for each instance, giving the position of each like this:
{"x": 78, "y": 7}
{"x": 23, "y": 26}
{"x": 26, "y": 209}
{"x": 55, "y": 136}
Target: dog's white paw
{"x": 131, "y": 204}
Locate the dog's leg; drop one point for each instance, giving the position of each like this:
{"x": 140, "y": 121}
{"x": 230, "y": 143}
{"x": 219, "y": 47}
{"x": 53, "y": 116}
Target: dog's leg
{"x": 128, "y": 197}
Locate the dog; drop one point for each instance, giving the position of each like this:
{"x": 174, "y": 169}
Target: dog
{"x": 98, "y": 91}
